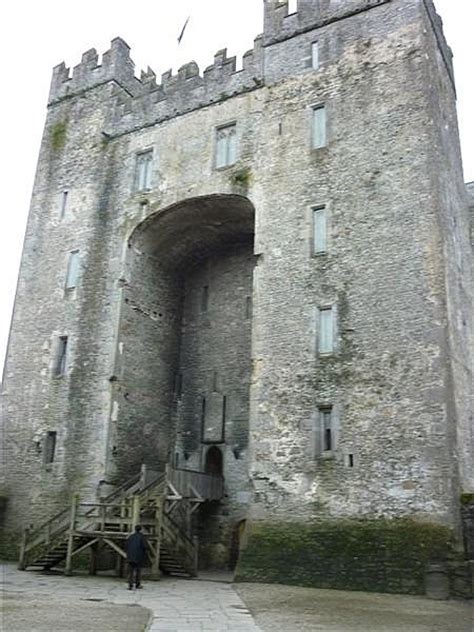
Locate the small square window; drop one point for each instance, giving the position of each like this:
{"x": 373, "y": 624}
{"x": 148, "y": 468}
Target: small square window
{"x": 319, "y": 230}
{"x": 319, "y": 127}
{"x": 72, "y": 274}
{"x": 143, "y": 168}
{"x": 226, "y": 146}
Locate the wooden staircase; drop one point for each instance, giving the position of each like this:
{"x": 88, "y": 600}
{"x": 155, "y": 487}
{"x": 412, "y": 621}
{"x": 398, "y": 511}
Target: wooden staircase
{"x": 162, "y": 503}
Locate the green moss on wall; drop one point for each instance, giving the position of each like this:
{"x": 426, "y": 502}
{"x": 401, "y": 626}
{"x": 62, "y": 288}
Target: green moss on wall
{"x": 467, "y": 499}
{"x": 9, "y": 545}
{"x": 372, "y": 555}
{"x": 58, "y": 135}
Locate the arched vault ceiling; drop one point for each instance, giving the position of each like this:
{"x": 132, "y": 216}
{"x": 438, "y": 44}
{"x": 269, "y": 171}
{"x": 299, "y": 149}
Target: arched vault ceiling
{"x": 194, "y": 229}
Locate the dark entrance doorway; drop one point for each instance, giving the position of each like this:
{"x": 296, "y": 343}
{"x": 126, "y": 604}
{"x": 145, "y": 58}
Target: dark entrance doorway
{"x": 214, "y": 461}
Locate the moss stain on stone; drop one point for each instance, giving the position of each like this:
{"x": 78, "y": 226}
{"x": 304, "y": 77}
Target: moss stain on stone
{"x": 373, "y": 555}
{"x": 58, "y": 135}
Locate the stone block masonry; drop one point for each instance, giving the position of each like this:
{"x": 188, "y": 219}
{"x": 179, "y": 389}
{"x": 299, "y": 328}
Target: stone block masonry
{"x": 194, "y": 327}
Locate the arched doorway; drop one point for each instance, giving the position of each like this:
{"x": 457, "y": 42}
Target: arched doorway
{"x": 184, "y": 350}
{"x": 214, "y": 462}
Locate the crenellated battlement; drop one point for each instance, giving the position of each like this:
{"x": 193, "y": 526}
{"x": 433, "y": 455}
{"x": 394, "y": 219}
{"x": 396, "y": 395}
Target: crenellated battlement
{"x": 146, "y": 100}
{"x": 187, "y": 89}
{"x": 116, "y": 65}
{"x": 279, "y": 24}
{"x": 143, "y": 100}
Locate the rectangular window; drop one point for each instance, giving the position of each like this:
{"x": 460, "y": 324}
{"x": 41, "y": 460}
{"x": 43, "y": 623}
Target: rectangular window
{"x": 326, "y": 330}
{"x": 178, "y": 385}
{"x": 63, "y": 204}
{"x": 143, "y": 168}
{"x": 319, "y": 127}
{"x": 315, "y": 55}
{"x": 72, "y": 270}
{"x": 327, "y": 430}
{"x": 49, "y": 447}
{"x": 248, "y": 307}
{"x": 319, "y": 230}
{"x": 226, "y": 146}
{"x": 292, "y": 6}
{"x": 61, "y": 356}
{"x": 205, "y": 298}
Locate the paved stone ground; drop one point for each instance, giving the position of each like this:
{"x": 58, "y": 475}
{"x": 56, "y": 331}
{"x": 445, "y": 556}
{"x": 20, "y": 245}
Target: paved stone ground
{"x": 294, "y": 609}
{"x": 68, "y": 604}
{"x": 41, "y": 602}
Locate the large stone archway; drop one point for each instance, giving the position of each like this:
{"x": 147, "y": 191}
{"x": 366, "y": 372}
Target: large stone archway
{"x": 184, "y": 342}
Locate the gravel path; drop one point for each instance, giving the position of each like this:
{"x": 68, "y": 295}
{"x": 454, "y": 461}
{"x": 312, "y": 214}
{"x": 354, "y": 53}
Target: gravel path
{"x": 292, "y": 609}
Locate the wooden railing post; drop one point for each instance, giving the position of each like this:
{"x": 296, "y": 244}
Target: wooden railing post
{"x": 103, "y": 509}
{"x": 70, "y": 539}
{"x": 142, "y": 476}
{"x": 135, "y": 512}
{"x": 155, "y": 563}
{"x": 24, "y": 540}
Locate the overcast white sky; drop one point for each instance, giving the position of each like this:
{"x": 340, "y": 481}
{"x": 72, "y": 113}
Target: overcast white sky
{"x": 35, "y": 36}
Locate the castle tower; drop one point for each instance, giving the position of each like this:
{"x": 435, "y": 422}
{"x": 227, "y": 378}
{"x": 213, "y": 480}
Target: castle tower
{"x": 262, "y": 273}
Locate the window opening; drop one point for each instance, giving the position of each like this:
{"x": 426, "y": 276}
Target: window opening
{"x": 292, "y": 6}
{"x": 72, "y": 270}
{"x": 205, "y": 298}
{"x": 315, "y": 55}
{"x": 319, "y": 127}
{"x": 64, "y": 199}
{"x": 319, "y": 230}
{"x": 226, "y": 145}
{"x": 61, "y": 356}
{"x": 327, "y": 429}
{"x": 248, "y": 307}
{"x": 326, "y": 330}
{"x": 143, "y": 171}
{"x": 49, "y": 447}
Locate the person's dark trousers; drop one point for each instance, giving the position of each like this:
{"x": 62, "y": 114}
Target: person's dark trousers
{"x": 134, "y": 574}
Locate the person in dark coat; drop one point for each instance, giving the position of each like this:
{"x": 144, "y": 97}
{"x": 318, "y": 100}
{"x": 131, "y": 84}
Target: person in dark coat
{"x": 136, "y": 552}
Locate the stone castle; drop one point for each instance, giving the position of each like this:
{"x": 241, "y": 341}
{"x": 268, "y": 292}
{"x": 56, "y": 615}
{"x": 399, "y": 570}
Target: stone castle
{"x": 261, "y": 274}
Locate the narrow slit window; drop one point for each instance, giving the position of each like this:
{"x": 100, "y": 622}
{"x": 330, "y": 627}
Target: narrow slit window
{"x": 61, "y": 356}
{"x": 326, "y": 330}
{"x": 319, "y": 127}
{"x": 224, "y": 411}
{"x": 178, "y": 385}
{"x": 63, "y": 204}
{"x": 49, "y": 447}
{"x": 203, "y": 418}
{"x": 72, "y": 274}
{"x": 226, "y": 146}
{"x": 327, "y": 430}
{"x": 248, "y": 307}
{"x": 205, "y": 298}
{"x": 319, "y": 230}
{"x": 315, "y": 55}
{"x": 143, "y": 168}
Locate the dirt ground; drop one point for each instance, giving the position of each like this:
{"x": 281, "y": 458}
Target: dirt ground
{"x": 35, "y": 613}
{"x": 292, "y": 609}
